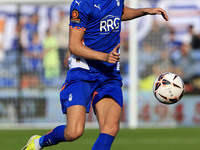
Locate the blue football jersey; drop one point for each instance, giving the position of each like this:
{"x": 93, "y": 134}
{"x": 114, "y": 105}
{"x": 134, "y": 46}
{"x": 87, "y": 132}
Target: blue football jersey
{"x": 101, "y": 21}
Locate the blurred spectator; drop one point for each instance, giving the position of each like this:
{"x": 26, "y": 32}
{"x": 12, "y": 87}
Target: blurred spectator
{"x": 60, "y": 31}
{"x": 174, "y": 47}
{"x": 154, "y": 40}
{"x": 186, "y": 63}
{"x": 152, "y": 46}
{"x": 51, "y": 57}
{"x": 16, "y": 42}
{"x": 148, "y": 78}
{"x": 196, "y": 42}
{"x": 165, "y": 63}
{"x": 195, "y": 38}
{"x": 33, "y": 63}
{"x": 187, "y": 38}
{"x": 147, "y": 57}
{"x": 195, "y": 82}
{"x": 192, "y": 38}
{"x": 34, "y": 55}
{"x": 29, "y": 28}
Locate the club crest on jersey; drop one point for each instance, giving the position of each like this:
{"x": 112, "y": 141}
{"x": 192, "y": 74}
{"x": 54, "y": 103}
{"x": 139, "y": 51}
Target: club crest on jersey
{"x": 75, "y": 16}
{"x": 109, "y": 23}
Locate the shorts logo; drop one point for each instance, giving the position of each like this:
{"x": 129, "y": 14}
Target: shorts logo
{"x": 75, "y": 16}
{"x": 70, "y": 97}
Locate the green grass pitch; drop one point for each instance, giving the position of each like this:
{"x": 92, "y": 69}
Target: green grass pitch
{"x": 127, "y": 139}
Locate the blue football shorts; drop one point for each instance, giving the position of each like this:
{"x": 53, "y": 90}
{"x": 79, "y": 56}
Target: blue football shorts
{"x": 86, "y": 93}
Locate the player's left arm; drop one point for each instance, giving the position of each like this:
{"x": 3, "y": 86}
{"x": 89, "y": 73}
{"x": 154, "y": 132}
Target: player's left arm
{"x": 130, "y": 13}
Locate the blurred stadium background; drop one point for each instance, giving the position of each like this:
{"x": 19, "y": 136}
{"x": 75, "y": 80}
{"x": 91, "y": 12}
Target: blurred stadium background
{"x": 31, "y": 75}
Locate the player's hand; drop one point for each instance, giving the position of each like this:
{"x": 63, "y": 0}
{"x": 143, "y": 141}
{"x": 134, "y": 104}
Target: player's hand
{"x": 157, "y": 11}
{"x": 113, "y": 56}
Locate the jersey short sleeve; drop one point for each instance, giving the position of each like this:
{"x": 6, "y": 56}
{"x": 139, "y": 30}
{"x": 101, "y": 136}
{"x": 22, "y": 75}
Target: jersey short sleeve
{"x": 79, "y": 13}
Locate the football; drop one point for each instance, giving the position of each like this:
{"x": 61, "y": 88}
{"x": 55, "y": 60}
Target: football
{"x": 168, "y": 88}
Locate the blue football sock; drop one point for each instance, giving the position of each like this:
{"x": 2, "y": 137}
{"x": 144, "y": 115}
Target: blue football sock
{"x": 54, "y": 137}
{"x": 103, "y": 142}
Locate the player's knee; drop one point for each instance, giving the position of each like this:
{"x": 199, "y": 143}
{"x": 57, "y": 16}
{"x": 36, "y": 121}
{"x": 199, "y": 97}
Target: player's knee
{"x": 111, "y": 129}
{"x": 73, "y": 134}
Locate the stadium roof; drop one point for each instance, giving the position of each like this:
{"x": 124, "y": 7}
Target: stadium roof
{"x": 34, "y": 1}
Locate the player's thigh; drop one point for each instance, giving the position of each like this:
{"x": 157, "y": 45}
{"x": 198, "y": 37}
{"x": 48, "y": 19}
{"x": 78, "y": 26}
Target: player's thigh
{"x": 108, "y": 113}
{"x": 76, "y": 116}
{"x": 75, "y": 121}
{"x": 75, "y": 98}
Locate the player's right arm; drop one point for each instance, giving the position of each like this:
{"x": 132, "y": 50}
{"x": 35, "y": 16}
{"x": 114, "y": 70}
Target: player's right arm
{"x": 79, "y": 14}
{"x": 77, "y": 48}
